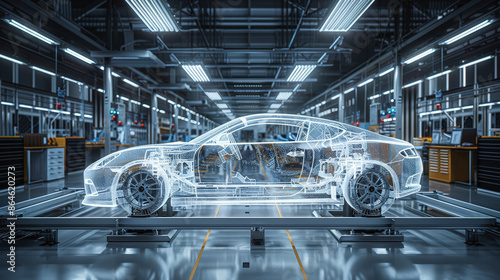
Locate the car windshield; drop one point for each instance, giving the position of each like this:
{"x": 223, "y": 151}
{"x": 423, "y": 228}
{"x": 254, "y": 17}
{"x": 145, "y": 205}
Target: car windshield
{"x": 208, "y": 135}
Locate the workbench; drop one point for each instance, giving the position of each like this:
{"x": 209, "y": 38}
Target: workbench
{"x": 452, "y": 164}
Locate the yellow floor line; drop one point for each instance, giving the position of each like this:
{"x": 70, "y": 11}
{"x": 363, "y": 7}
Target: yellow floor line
{"x": 202, "y": 248}
{"x": 294, "y": 249}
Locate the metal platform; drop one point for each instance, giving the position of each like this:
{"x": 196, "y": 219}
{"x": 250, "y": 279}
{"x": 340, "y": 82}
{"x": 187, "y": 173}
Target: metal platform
{"x": 388, "y": 235}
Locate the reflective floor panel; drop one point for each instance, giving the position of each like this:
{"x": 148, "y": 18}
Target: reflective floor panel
{"x": 437, "y": 254}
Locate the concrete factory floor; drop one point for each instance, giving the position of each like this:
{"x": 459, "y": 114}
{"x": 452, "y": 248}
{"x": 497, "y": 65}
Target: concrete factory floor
{"x": 226, "y": 254}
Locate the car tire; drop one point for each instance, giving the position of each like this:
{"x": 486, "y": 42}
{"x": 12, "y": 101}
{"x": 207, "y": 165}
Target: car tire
{"x": 142, "y": 192}
{"x": 370, "y": 193}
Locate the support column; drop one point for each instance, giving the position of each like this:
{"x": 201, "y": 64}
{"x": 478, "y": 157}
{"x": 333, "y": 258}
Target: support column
{"x": 154, "y": 119}
{"x": 176, "y": 123}
{"x": 398, "y": 84}
{"x": 189, "y": 125}
{"x": 108, "y": 94}
{"x": 475, "y": 114}
{"x": 341, "y": 108}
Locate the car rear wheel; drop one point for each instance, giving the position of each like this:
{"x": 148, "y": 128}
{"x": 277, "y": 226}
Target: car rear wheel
{"x": 143, "y": 192}
{"x": 370, "y": 193}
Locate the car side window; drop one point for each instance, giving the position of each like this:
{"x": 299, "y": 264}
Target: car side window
{"x": 268, "y": 132}
{"x": 321, "y": 131}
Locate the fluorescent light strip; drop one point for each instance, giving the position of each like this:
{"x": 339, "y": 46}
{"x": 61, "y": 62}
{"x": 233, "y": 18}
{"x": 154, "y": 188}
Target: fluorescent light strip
{"x": 387, "y": 92}
{"x": 41, "y": 109}
{"x": 7, "y": 103}
{"x": 222, "y": 106}
{"x": 162, "y": 111}
{"x": 135, "y": 102}
{"x": 131, "y": 83}
{"x": 365, "y": 82}
{"x": 284, "y": 95}
{"x": 345, "y": 14}
{"x": 300, "y": 73}
{"x": 155, "y": 14}
{"x": 374, "y": 97}
{"x": 439, "y": 74}
{"x": 336, "y": 96}
{"x": 100, "y": 90}
{"x": 477, "y": 61}
{"x": 489, "y": 104}
{"x": 196, "y": 72}
{"x": 419, "y": 56}
{"x": 79, "y": 56}
{"x": 71, "y": 80}
{"x": 42, "y": 70}
{"x": 349, "y": 90}
{"x": 275, "y": 106}
{"x": 25, "y": 106}
{"x": 146, "y": 106}
{"x": 467, "y": 32}
{"x": 171, "y": 102}
{"x": 124, "y": 98}
{"x": 87, "y": 116}
{"x": 412, "y": 84}
{"x": 161, "y": 97}
{"x": 213, "y": 95}
{"x": 115, "y": 75}
{"x": 32, "y": 32}
{"x": 386, "y": 72}
{"x": 12, "y": 59}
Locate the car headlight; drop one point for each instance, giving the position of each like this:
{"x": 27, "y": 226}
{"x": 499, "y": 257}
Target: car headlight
{"x": 409, "y": 152}
{"x": 105, "y": 160}
{"x": 90, "y": 188}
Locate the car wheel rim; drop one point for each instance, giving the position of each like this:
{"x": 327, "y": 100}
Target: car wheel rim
{"x": 142, "y": 190}
{"x": 371, "y": 190}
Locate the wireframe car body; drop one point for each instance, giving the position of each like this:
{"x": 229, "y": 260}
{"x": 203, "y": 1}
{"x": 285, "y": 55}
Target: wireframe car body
{"x": 326, "y": 163}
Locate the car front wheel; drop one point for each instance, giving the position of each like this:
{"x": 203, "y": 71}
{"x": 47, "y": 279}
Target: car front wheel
{"x": 143, "y": 192}
{"x": 370, "y": 193}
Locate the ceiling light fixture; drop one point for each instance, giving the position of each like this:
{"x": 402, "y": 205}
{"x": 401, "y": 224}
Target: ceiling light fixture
{"x": 467, "y": 32}
{"x": 42, "y": 70}
{"x": 386, "y": 72}
{"x": 222, "y": 106}
{"x": 12, "y": 59}
{"x": 79, "y": 56}
{"x": 419, "y": 56}
{"x": 476, "y": 61}
{"x": 344, "y": 14}
{"x": 300, "y": 73}
{"x": 131, "y": 83}
{"x": 335, "y": 96}
{"x": 438, "y": 74}
{"x": 365, "y": 82}
{"x": 412, "y": 84}
{"x": 275, "y": 106}
{"x": 284, "y": 95}
{"x": 349, "y": 90}
{"x": 213, "y": 95}
{"x": 155, "y": 14}
{"x": 196, "y": 72}
{"x": 31, "y": 32}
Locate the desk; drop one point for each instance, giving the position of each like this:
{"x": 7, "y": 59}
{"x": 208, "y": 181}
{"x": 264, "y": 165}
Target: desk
{"x": 451, "y": 164}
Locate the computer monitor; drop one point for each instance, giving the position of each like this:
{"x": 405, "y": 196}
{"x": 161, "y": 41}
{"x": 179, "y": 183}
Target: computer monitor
{"x": 460, "y": 136}
{"x": 436, "y": 137}
{"x": 456, "y": 137}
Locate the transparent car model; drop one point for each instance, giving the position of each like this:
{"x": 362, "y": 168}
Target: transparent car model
{"x": 240, "y": 163}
